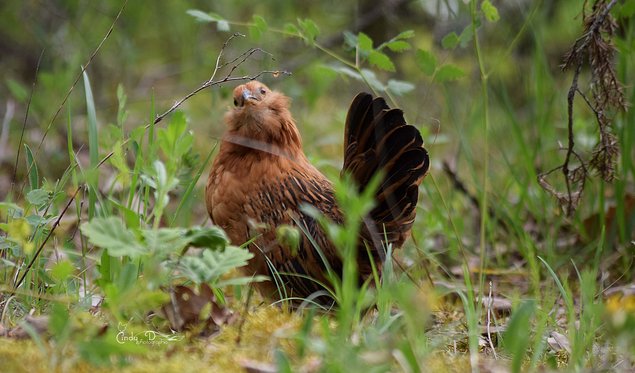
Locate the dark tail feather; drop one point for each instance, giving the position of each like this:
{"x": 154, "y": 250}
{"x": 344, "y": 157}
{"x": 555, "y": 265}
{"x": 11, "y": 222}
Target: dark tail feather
{"x": 378, "y": 139}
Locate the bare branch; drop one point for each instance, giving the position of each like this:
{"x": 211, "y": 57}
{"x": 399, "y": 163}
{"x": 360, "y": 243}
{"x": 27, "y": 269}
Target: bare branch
{"x": 235, "y": 63}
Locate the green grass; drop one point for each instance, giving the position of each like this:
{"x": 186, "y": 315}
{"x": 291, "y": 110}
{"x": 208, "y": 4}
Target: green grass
{"x": 128, "y": 193}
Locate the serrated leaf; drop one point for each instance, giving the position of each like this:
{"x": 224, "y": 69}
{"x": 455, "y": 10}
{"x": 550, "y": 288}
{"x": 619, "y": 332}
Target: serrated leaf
{"x": 381, "y": 60}
{"x": 364, "y": 42}
{"x": 466, "y": 36}
{"x": 210, "y": 237}
{"x": 489, "y": 11}
{"x": 110, "y": 233}
{"x": 398, "y": 46}
{"x": 165, "y": 240}
{"x": 405, "y": 35}
{"x": 399, "y": 87}
{"x": 290, "y": 28}
{"x": 449, "y": 72}
{"x": 37, "y": 197}
{"x": 450, "y": 41}
{"x": 309, "y": 29}
{"x": 426, "y": 61}
{"x": 258, "y": 27}
{"x": 212, "y": 264}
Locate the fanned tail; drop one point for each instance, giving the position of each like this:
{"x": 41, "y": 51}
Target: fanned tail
{"x": 378, "y": 139}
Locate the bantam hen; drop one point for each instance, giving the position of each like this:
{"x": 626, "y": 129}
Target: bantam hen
{"x": 261, "y": 178}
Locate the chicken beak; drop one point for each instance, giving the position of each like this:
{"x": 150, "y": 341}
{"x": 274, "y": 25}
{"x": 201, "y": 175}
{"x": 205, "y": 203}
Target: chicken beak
{"x": 247, "y": 95}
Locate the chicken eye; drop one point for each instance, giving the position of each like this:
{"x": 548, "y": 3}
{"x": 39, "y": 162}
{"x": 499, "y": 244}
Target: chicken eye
{"x": 235, "y": 102}
{"x": 263, "y": 91}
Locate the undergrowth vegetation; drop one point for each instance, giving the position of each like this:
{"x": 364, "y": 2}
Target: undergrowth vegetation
{"x": 521, "y": 256}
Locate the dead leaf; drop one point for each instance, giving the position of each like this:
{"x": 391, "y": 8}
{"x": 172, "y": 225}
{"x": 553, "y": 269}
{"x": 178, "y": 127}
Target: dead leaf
{"x": 196, "y": 310}
{"x": 39, "y": 324}
{"x": 559, "y": 342}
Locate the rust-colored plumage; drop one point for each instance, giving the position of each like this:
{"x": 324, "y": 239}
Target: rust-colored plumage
{"x": 261, "y": 177}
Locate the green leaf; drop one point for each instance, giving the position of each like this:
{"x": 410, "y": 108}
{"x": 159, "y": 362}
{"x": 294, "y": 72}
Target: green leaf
{"x": 212, "y": 264}
{"x": 93, "y": 146}
{"x": 450, "y": 41}
{"x": 489, "y": 11}
{"x": 17, "y": 89}
{"x": 34, "y": 178}
{"x": 364, "y": 42}
{"x": 405, "y": 35}
{"x": 62, "y": 270}
{"x": 164, "y": 241}
{"x": 37, "y": 197}
{"x": 381, "y": 60}
{"x": 515, "y": 338}
{"x": 466, "y": 35}
{"x": 449, "y": 72}
{"x": 398, "y": 45}
{"x": 426, "y": 61}
{"x": 210, "y": 237}
{"x": 110, "y": 233}
{"x": 399, "y": 87}
{"x": 628, "y": 9}
{"x": 309, "y": 29}
{"x": 290, "y": 28}
{"x": 257, "y": 27}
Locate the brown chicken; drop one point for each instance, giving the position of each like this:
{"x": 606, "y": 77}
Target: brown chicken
{"x": 261, "y": 178}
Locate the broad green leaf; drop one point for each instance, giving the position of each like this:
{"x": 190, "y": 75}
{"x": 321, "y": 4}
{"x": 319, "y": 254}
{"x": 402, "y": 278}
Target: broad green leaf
{"x": 110, "y": 233}
{"x": 364, "y": 42}
{"x": 37, "y": 197}
{"x": 164, "y": 241}
{"x": 399, "y": 87}
{"x": 466, "y": 36}
{"x": 11, "y": 209}
{"x": 381, "y": 60}
{"x": 449, "y": 72}
{"x": 258, "y": 27}
{"x": 426, "y": 61}
{"x": 210, "y": 237}
{"x": 450, "y": 41}
{"x": 398, "y": 45}
{"x": 489, "y": 11}
{"x": 213, "y": 263}
{"x": 309, "y": 29}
